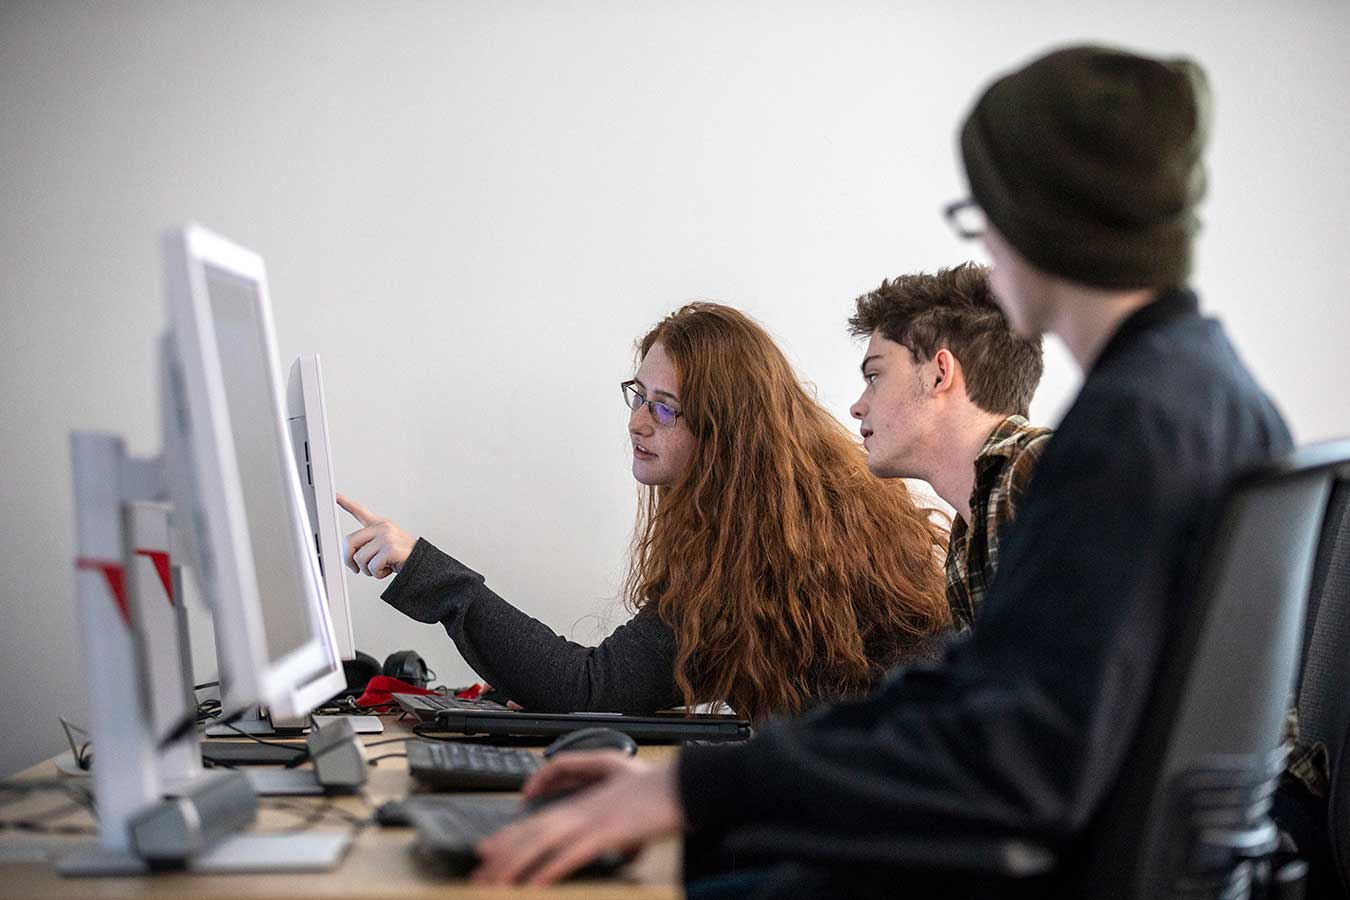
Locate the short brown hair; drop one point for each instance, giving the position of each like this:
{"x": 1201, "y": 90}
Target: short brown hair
{"x": 955, "y": 309}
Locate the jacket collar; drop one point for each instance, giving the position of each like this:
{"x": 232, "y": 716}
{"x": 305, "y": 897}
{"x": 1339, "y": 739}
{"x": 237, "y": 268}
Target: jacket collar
{"x": 1171, "y": 304}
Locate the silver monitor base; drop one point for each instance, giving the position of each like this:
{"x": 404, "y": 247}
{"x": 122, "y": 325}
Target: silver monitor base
{"x": 362, "y": 724}
{"x": 255, "y": 727}
{"x": 311, "y": 851}
{"x": 264, "y": 728}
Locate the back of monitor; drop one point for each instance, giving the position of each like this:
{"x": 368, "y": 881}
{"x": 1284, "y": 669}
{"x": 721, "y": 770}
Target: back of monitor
{"x": 314, "y": 462}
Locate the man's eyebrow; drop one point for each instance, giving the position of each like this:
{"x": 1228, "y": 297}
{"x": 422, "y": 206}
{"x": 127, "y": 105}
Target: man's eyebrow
{"x": 867, "y": 360}
{"x": 658, "y": 391}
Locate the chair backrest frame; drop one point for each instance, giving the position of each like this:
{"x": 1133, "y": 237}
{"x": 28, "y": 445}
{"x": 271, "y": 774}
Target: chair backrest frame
{"x": 1323, "y": 699}
{"x": 1194, "y": 795}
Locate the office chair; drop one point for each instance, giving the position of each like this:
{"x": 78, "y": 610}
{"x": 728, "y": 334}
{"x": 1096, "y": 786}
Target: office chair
{"x": 1188, "y": 815}
{"x": 1338, "y": 813}
{"x": 1323, "y": 698}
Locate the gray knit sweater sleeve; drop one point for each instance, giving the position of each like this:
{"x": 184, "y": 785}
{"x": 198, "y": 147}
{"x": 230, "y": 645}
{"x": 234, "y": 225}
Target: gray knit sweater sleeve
{"x": 630, "y": 672}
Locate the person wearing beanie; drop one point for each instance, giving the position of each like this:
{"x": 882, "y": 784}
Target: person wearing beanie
{"x": 1085, "y": 170}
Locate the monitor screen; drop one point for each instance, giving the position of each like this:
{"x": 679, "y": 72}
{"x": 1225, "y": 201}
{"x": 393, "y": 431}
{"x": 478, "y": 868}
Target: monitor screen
{"x": 261, "y": 454}
{"x": 234, "y": 476}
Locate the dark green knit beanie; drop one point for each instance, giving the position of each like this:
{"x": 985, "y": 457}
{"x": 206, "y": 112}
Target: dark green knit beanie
{"x": 1088, "y": 162}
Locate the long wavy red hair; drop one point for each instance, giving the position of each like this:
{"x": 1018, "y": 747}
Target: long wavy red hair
{"x": 788, "y": 572}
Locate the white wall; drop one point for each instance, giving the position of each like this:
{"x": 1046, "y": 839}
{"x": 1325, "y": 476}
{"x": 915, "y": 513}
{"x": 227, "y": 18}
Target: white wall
{"x": 472, "y": 209}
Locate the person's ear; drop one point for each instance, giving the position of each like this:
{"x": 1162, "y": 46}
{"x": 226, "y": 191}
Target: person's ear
{"x": 945, "y": 373}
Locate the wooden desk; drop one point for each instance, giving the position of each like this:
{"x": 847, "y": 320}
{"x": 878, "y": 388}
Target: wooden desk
{"x": 379, "y": 864}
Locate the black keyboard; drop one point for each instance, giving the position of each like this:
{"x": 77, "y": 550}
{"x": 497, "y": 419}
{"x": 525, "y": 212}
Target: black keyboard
{"x": 470, "y": 767}
{"x": 426, "y": 706}
{"x": 449, "y": 827}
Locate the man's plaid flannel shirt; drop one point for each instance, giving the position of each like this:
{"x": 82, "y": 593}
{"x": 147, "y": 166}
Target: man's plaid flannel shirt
{"x": 1002, "y": 472}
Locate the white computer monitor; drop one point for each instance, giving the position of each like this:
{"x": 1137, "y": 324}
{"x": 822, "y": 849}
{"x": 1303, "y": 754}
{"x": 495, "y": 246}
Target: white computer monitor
{"x": 247, "y": 531}
{"x": 314, "y": 464}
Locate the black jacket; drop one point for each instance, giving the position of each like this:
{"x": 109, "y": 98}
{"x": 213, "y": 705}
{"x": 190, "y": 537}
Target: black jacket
{"x": 1022, "y": 728}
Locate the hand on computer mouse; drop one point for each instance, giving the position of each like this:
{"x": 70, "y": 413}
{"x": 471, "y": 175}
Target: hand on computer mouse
{"x": 619, "y": 814}
{"x": 569, "y": 772}
{"x": 380, "y": 548}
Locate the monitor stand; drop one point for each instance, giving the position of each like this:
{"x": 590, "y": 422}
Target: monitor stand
{"x": 259, "y": 723}
{"x": 117, "y": 498}
{"x": 338, "y": 764}
{"x": 362, "y": 724}
{"x": 310, "y": 851}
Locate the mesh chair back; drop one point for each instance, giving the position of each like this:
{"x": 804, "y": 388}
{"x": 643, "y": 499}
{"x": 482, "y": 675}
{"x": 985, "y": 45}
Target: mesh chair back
{"x": 1324, "y": 691}
{"x": 1338, "y": 813}
{"x": 1324, "y": 688}
{"x": 1192, "y": 802}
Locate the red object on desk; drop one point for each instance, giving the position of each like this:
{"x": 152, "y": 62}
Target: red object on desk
{"x": 382, "y": 688}
{"x": 473, "y": 691}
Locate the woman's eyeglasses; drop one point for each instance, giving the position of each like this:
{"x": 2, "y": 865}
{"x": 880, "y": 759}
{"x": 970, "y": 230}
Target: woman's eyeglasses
{"x": 635, "y": 399}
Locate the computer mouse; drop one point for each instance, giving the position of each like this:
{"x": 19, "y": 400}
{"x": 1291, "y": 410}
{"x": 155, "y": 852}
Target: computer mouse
{"x": 592, "y": 739}
{"x": 392, "y": 814}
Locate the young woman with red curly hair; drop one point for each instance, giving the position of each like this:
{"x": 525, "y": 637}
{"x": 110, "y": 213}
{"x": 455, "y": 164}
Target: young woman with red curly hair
{"x": 770, "y": 569}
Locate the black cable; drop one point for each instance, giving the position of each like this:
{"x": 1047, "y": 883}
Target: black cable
{"x": 375, "y": 759}
{"x": 185, "y": 724}
{"x": 300, "y": 749}
{"x": 37, "y": 823}
{"x": 209, "y": 763}
{"x": 253, "y": 737}
{"x": 205, "y": 711}
{"x": 78, "y": 793}
{"x": 348, "y": 704}
{"x": 389, "y": 741}
{"x": 38, "y": 826}
{"x": 311, "y": 817}
{"x": 314, "y": 817}
{"x": 79, "y": 800}
{"x": 80, "y": 752}
{"x": 428, "y": 730}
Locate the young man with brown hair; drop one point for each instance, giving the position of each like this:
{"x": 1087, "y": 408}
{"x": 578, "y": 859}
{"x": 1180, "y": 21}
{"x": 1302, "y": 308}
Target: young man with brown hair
{"x": 947, "y": 387}
{"x": 1086, "y": 166}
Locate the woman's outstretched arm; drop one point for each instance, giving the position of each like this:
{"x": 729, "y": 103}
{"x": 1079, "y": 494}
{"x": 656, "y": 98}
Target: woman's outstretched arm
{"x": 631, "y": 671}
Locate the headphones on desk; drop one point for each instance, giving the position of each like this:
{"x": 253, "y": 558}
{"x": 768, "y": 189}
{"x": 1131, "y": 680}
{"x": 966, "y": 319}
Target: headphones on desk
{"x": 358, "y": 672}
{"x": 405, "y": 665}
{"x": 409, "y": 667}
